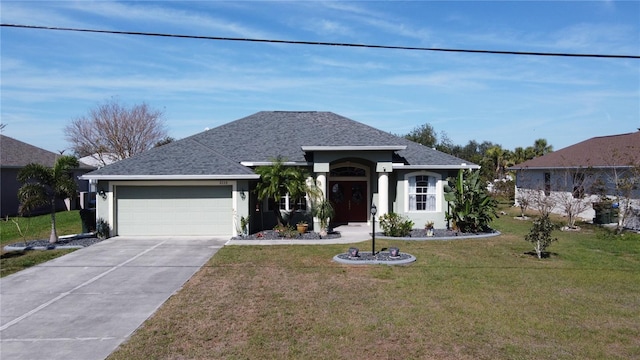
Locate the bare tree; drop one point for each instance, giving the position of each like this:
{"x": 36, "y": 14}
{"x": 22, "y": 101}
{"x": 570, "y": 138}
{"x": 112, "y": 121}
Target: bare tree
{"x": 523, "y": 202}
{"x": 625, "y": 186}
{"x": 623, "y": 178}
{"x": 571, "y": 197}
{"x": 543, "y": 203}
{"x": 532, "y": 192}
{"x": 112, "y": 131}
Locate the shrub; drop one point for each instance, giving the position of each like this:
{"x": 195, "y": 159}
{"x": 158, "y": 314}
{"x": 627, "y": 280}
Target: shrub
{"x": 504, "y": 190}
{"x": 88, "y": 218}
{"x": 103, "y": 230}
{"x": 395, "y": 225}
{"x": 540, "y": 234}
{"x": 286, "y": 231}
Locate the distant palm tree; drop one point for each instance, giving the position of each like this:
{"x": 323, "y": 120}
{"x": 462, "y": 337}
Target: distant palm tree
{"x": 541, "y": 147}
{"x": 499, "y": 159}
{"x": 43, "y": 185}
{"x": 519, "y": 155}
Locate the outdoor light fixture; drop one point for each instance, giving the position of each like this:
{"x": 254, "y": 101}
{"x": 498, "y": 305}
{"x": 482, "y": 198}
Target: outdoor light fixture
{"x": 374, "y": 211}
{"x": 242, "y": 194}
{"x": 93, "y": 184}
{"x": 102, "y": 194}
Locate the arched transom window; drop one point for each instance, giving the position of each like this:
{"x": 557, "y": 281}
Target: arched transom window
{"x": 347, "y": 171}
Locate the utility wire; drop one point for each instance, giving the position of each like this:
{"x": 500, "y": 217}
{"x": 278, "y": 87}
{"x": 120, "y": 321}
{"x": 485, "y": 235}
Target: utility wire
{"x": 320, "y": 43}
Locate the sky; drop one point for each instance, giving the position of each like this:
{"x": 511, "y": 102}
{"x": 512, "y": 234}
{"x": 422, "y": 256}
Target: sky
{"x": 48, "y": 78}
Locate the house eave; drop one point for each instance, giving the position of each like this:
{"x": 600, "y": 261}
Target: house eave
{"x": 171, "y": 177}
{"x": 268, "y": 163}
{"x": 513, "y": 168}
{"x": 355, "y": 148}
{"x": 397, "y": 166}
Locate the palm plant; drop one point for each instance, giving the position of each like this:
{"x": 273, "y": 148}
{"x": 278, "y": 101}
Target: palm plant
{"x": 43, "y": 185}
{"x": 471, "y": 207}
{"x": 323, "y": 210}
{"x": 278, "y": 180}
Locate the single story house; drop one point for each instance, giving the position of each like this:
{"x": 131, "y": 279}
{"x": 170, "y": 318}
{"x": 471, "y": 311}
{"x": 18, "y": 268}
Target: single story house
{"x": 14, "y": 155}
{"x": 203, "y": 184}
{"x": 589, "y": 171}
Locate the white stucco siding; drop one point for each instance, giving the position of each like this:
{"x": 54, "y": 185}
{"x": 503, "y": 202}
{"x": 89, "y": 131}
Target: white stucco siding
{"x": 174, "y": 210}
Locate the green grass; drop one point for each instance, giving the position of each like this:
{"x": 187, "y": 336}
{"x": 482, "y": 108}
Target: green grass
{"x": 34, "y": 228}
{"x": 14, "y": 261}
{"x": 462, "y": 299}
{"x": 39, "y": 227}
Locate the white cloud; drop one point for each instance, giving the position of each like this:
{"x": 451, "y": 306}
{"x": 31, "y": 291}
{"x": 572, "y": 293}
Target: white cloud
{"x": 594, "y": 37}
{"x": 325, "y": 27}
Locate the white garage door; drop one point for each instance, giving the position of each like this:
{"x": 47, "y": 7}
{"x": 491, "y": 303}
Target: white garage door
{"x": 174, "y": 210}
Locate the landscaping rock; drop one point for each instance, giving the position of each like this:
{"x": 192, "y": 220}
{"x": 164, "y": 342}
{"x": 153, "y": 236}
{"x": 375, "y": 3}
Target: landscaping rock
{"x": 274, "y": 235}
{"x": 76, "y": 241}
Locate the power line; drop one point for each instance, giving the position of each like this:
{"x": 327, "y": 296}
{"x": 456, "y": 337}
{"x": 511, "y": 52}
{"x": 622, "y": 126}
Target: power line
{"x": 320, "y": 43}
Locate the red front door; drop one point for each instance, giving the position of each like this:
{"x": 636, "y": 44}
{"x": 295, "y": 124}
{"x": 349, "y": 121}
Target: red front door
{"x": 349, "y": 200}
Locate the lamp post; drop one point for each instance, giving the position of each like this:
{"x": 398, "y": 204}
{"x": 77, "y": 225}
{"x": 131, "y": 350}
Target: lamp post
{"x": 374, "y": 210}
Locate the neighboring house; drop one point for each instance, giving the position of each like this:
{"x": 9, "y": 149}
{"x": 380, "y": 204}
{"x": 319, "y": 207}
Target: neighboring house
{"x": 14, "y": 155}
{"x": 203, "y": 184}
{"x": 588, "y": 172}
{"x": 99, "y": 160}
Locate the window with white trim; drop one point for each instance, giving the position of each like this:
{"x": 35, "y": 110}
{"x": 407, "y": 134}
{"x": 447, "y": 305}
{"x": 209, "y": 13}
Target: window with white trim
{"x": 422, "y": 193}
{"x": 287, "y": 203}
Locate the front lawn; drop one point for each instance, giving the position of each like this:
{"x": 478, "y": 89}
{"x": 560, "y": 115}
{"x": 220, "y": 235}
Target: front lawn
{"x": 462, "y": 299}
{"x": 39, "y": 227}
{"x": 34, "y": 228}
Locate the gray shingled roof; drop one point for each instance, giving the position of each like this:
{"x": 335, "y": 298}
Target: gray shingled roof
{"x": 185, "y": 157}
{"x": 263, "y": 136}
{"x": 602, "y": 151}
{"x": 15, "y": 153}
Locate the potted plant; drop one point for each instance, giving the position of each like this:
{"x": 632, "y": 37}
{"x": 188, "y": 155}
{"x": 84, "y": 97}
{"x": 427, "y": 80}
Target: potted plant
{"x": 324, "y": 212}
{"x": 244, "y": 225}
{"x": 302, "y": 227}
{"x": 429, "y": 228}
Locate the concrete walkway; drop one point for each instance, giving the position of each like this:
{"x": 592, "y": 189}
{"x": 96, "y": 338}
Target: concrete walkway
{"x": 84, "y": 304}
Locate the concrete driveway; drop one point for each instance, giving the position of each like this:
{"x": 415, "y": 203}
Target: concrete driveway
{"x": 83, "y": 305}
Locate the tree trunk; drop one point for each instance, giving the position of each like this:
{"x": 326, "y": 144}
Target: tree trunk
{"x": 53, "y": 238}
{"x": 278, "y": 214}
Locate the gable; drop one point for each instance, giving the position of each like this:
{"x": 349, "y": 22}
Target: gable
{"x": 15, "y": 153}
